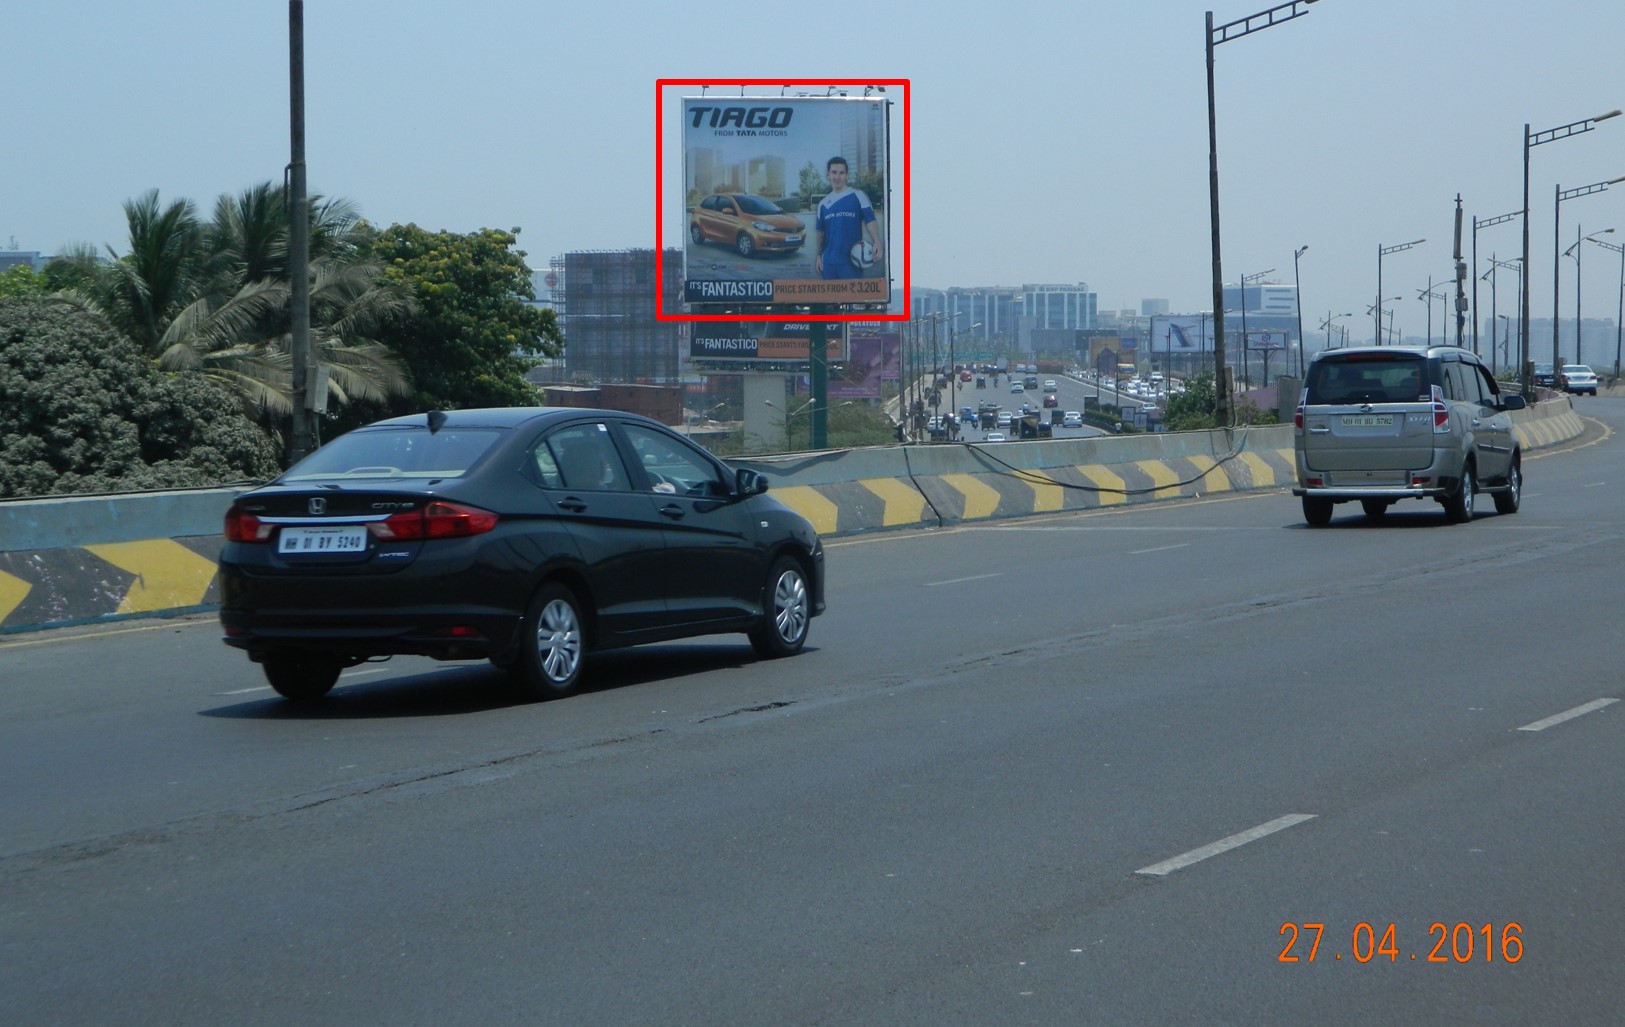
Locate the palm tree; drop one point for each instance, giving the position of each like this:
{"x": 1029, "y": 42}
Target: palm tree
{"x": 214, "y": 298}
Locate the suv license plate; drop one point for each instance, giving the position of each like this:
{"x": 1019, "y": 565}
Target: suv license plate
{"x": 323, "y": 540}
{"x": 1368, "y": 420}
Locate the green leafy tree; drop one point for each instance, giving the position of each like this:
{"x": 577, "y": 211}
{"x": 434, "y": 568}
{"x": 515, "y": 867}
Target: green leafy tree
{"x": 811, "y": 184}
{"x": 473, "y": 336}
{"x": 1191, "y": 410}
{"x": 20, "y": 280}
{"x": 873, "y": 185}
{"x": 82, "y": 410}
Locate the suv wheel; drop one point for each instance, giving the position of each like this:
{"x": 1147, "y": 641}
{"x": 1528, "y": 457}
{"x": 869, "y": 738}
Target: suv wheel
{"x": 1458, "y": 506}
{"x": 1317, "y": 511}
{"x": 302, "y": 677}
{"x": 1507, "y": 502}
{"x": 1374, "y": 507}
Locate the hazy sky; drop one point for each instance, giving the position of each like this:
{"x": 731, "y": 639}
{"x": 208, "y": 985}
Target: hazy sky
{"x": 1052, "y": 142}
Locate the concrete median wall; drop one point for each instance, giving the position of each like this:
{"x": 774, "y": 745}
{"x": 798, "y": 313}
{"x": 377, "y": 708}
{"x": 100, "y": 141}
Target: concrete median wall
{"x": 86, "y": 559}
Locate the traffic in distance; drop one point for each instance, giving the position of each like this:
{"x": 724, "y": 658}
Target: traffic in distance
{"x": 529, "y": 537}
{"x": 987, "y": 404}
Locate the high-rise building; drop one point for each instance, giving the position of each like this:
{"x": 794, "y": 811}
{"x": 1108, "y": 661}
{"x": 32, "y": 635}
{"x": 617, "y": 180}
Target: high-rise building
{"x": 606, "y": 301}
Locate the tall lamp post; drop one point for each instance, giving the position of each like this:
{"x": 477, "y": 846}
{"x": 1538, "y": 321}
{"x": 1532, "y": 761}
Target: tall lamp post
{"x": 1297, "y": 301}
{"x": 1619, "y": 319}
{"x": 1531, "y": 140}
{"x": 1517, "y": 269}
{"x": 789, "y": 444}
{"x": 1427, "y": 295}
{"x": 1557, "y": 260}
{"x": 1575, "y": 252}
{"x": 1477, "y": 224}
{"x": 1327, "y": 324}
{"x": 1377, "y": 307}
{"x": 1246, "y": 373}
{"x": 1506, "y": 331}
{"x": 1383, "y": 251}
{"x": 1213, "y": 37}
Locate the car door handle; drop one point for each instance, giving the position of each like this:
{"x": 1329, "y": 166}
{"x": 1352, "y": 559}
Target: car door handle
{"x": 673, "y": 511}
{"x": 572, "y": 504}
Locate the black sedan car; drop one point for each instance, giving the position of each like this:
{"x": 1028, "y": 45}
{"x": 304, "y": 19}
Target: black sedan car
{"x": 529, "y": 537}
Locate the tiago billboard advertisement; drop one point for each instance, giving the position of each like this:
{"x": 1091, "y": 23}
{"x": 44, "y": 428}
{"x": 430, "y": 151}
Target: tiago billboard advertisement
{"x": 787, "y": 201}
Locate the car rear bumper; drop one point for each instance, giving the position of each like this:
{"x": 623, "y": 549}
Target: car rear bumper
{"x": 1372, "y": 492}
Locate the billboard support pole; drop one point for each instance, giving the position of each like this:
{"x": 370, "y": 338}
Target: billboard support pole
{"x": 818, "y": 383}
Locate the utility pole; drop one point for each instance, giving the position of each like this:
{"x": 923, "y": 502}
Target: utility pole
{"x": 1461, "y": 279}
{"x": 302, "y": 441}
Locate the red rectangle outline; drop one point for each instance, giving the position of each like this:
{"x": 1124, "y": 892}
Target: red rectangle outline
{"x": 660, "y": 208}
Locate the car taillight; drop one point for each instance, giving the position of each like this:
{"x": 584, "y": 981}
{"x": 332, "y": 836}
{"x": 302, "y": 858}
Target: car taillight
{"x": 245, "y": 527}
{"x": 439, "y": 519}
{"x": 1441, "y": 413}
{"x": 1297, "y": 418}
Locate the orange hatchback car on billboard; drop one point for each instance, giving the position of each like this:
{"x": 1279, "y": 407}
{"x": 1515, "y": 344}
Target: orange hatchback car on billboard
{"x": 750, "y": 224}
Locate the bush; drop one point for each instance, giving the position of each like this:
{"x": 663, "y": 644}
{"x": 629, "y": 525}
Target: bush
{"x": 82, "y": 410}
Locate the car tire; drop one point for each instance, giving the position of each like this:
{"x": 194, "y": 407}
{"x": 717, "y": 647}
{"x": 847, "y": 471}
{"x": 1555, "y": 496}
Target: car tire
{"x": 1374, "y": 507}
{"x": 1508, "y": 501}
{"x": 1317, "y": 511}
{"x": 1458, "y": 506}
{"x": 552, "y": 644}
{"x": 696, "y": 236}
{"x": 786, "y": 611}
{"x": 745, "y": 245}
{"x": 301, "y": 677}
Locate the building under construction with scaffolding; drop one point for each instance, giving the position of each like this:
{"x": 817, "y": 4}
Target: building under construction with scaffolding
{"x": 605, "y": 300}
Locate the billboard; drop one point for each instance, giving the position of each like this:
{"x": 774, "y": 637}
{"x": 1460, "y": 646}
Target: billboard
{"x": 762, "y": 341}
{"x": 1181, "y": 334}
{"x": 875, "y": 357}
{"x": 787, "y": 201}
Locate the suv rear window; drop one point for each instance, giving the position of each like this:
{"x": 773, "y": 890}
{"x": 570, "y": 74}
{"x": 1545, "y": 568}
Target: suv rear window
{"x": 1381, "y": 379}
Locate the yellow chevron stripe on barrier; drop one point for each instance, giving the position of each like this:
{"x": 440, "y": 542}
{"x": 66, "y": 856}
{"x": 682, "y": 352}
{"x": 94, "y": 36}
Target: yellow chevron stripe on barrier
{"x": 12, "y": 593}
{"x": 809, "y": 503}
{"x": 1213, "y": 477}
{"x": 1102, "y": 477}
{"x": 167, "y": 574}
{"x": 1046, "y": 498}
{"x": 903, "y": 504}
{"x": 1263, "y": 474}
{"x": 980, "y": 500}
{"x": 1162, "y": 476}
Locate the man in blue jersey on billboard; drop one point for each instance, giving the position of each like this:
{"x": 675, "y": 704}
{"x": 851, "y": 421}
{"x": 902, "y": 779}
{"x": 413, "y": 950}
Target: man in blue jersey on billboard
{"x": 848, "y": 234}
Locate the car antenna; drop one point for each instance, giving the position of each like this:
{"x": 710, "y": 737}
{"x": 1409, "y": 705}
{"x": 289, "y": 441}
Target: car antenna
{"x": 437, "y": 420}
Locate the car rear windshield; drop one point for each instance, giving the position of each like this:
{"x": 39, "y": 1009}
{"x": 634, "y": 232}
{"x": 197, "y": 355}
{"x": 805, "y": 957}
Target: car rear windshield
{"x": 398, "y": 452}
{"x": 1378, "y": 379}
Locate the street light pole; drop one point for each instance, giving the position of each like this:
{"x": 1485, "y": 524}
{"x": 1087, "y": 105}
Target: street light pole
{"x": 1428, "y": 294}
{"x": 1211, "y": 39}
{"x": 1297, "y": 301}
{"x": 1619, "y": 319}
{"x": 1477, "y": 224}
{"x": 1530, "y": 140}
{"x": 1579, "y": 357}
{"x": 1383, "y": 251}
{"x": 1557, "y": 260}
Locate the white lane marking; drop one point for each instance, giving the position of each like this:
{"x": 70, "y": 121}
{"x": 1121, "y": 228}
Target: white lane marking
{"x": 1157, "y": 549}
{"x": 245, "y": 691}
{"x": 1596, "y": 485}
{"x": 956, "y": 581}
{"x": 1579, "y": 711}
{"x": 1179, "y": 862}
{"x": 359, "y": 673}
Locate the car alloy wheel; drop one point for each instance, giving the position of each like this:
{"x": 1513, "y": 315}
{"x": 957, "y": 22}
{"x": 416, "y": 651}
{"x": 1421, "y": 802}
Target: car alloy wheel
{"x": 1507, "y": 501}
{"x": 552, "y": 644}
{"x": 1459, "y": 507}
{"x": 786, "y": 612}
{"x": 747, "y": 247}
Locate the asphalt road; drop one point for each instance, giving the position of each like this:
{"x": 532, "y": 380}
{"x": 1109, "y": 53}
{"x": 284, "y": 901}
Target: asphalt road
{"x": 1076, "y": 769}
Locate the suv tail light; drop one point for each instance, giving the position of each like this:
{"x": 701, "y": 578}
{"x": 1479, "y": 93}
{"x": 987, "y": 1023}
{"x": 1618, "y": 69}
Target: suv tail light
{"x": 439, "y": 519}
{"x": 1441, "y": 413}
{"x": 245, "y": 527}
{"x": 1297, "y": 418}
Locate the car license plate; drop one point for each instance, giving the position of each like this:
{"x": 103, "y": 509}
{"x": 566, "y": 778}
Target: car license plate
{"x": 351, "y": 539}
{"x": 792, "y": 239}
{"x": 1368, "y": 420}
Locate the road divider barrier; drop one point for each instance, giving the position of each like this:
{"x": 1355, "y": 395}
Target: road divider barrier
{"x": 84, "y": 559}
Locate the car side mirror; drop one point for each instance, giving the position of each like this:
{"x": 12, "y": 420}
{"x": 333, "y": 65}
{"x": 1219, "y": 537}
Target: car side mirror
{"x": 749, "y": 483}
{"x": 1513, "y": 401}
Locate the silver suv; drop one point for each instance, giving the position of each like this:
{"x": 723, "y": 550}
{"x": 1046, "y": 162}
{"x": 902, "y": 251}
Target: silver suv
{"x": 1384, "y": 423}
